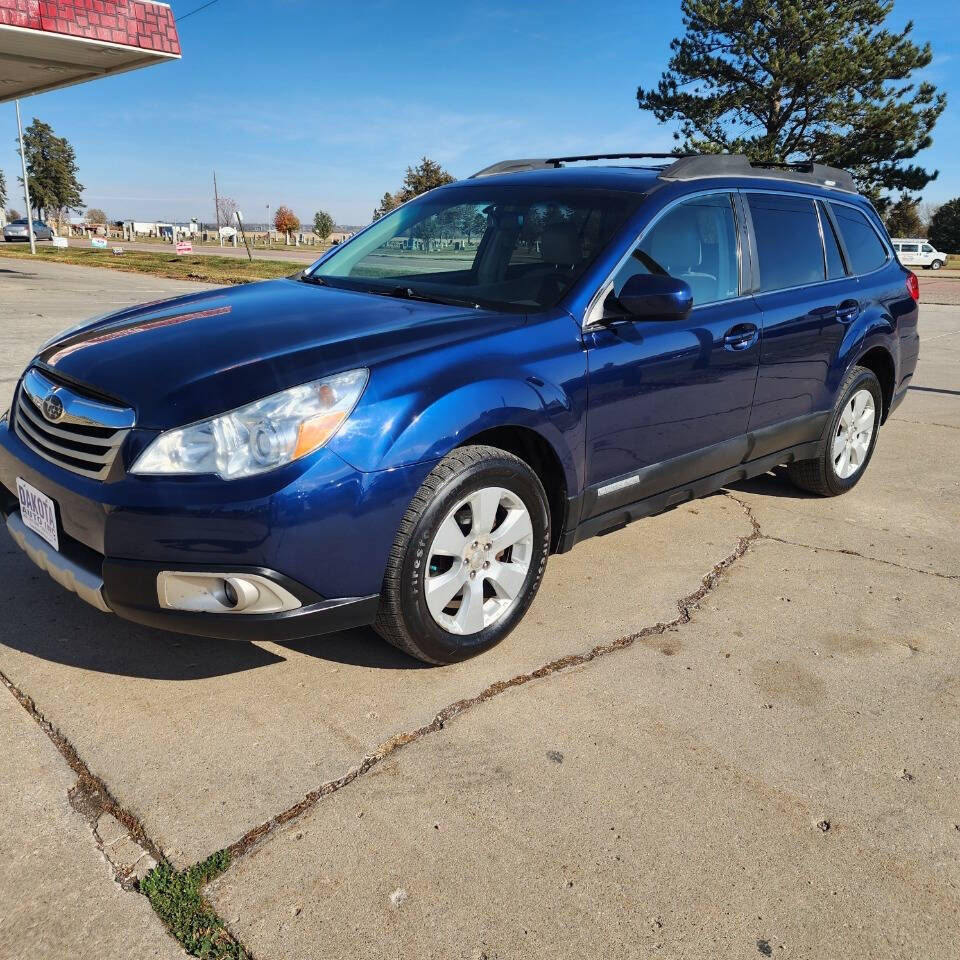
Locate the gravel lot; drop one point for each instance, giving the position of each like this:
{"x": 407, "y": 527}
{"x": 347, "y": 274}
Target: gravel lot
{"x": 728, "y": 731}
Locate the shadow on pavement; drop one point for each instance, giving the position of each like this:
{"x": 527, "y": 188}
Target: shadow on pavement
{"x": 362, "y": 647}
{"x": 776, "y": 483}
{"x": 42, "y": 620}
{"x": 949, "y": 393}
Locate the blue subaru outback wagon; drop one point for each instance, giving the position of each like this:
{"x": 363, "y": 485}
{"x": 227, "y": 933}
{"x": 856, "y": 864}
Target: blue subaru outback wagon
{"x": 401, "y": 434}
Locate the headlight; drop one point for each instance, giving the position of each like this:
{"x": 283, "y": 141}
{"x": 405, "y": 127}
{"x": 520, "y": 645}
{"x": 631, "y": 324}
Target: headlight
{"x": 261, "y": 436}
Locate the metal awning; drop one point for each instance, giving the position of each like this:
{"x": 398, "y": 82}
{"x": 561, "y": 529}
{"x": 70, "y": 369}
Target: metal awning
{"x": 45, "y": 45}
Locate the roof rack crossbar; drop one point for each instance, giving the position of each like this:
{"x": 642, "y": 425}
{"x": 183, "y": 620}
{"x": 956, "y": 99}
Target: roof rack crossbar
{"x": 544, "y": 163}
{"x": 558, "y": 161}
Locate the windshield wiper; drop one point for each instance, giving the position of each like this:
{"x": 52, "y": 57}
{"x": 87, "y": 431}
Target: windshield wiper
{"x": 408, "y": 293}
{"x": 313, "y": 278}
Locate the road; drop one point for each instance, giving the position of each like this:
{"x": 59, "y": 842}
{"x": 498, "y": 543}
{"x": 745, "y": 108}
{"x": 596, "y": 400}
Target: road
{"x": 728, "y": 731}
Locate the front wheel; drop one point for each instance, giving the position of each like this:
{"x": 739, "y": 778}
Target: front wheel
{"x": 851, "y": 438}
{"x": 936, "y": 265}
{"x": 468, "y": 559}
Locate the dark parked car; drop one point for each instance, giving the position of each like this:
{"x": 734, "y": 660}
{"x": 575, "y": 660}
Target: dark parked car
{"x": 20, "y": 230}
{"x": 401, "y": 434}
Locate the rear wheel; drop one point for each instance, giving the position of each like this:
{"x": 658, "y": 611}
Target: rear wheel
{"x": 851, "y": 438}
{"x": 468, "y": 558}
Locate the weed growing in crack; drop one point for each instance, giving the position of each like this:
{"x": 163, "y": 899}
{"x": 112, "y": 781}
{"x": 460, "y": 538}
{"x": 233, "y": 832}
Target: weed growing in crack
{"x": 178, "y": 900}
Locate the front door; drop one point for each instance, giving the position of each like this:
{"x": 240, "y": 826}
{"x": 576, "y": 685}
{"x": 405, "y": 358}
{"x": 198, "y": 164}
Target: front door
{"x": 670, "y": 400}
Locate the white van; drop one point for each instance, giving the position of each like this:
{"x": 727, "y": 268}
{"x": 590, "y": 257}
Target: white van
{"x": 919, "y": 253}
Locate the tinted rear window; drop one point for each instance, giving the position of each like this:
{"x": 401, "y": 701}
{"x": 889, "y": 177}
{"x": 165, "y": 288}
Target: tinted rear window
{"x": 864, "y": 247}
{"x": 788, "y": 241}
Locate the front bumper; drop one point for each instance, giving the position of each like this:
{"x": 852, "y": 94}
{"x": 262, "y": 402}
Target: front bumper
{"x": 128, "y": 588}
{"x": 322, "y": 530}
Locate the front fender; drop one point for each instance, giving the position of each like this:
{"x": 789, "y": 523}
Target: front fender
{"x": 419, "y": 405}
{"x": 402, "y": 429}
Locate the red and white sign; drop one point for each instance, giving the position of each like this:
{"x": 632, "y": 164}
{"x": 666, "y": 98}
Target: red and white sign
{"x": 184, "y": 246}
{"x": 46, "y": 44}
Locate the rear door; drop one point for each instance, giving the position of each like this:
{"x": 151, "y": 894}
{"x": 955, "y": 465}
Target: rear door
{"x": 808, "y": 298}
{"x": 670, "y": 400}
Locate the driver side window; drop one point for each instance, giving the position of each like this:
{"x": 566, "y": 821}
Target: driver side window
{"x": 695, "y": 241}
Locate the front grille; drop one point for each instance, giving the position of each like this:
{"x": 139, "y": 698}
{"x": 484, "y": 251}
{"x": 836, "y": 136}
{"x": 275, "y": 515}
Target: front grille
{"x": 84, "y": 439}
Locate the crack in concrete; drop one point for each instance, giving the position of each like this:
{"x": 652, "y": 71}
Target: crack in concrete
{"x": 862, "y": 556}
{"x": 839, "y": 550}
{"x": 90, "y": 795}
{"x": 127, "y": 859}
{"x": 685, "y": 607}
{"x": 926, "y": 423}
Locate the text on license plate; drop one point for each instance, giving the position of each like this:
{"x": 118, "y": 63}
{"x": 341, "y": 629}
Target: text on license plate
{"x": 38, "y": 512}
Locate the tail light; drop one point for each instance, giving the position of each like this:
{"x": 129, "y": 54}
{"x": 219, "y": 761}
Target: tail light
{"x": 913, "y": 285}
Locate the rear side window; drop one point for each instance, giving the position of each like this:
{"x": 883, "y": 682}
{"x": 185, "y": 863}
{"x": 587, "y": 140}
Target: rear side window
{"x": 909, "y": 248}
{"x": 835, "y": 267}
{"x": 866, "y": 250}
{"x": 695, "y": 241}
{"x": 789, "y": 250}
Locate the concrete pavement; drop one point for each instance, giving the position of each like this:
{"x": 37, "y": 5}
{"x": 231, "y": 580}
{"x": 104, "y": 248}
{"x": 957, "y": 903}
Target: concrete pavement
{"x": 730, "y": 730}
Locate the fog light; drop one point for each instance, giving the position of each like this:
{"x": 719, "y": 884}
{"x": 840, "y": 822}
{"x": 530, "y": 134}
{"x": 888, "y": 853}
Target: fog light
{"x": 222, "y": 593}
{"x": 230, "y": 594}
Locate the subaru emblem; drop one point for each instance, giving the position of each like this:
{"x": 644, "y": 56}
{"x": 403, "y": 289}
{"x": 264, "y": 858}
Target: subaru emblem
{"x": 52, "y": 407}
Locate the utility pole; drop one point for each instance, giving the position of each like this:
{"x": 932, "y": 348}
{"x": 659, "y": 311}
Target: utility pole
{"x": 216, "y": 204}
{"x": 26, "y": 185}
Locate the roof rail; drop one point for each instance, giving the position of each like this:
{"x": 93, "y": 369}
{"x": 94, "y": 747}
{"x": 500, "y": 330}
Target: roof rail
{"x": 695, "y": 166}
{"x": 516, "y": 166}
{"x": 737, "y": 165}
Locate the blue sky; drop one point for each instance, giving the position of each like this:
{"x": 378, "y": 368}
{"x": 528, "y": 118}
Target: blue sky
{"x": 334, "y": 100}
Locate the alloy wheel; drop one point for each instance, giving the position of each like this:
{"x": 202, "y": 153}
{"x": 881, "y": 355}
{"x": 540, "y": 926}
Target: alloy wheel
{"x": 478, "y": 560}
{"x": 851, "y": 444}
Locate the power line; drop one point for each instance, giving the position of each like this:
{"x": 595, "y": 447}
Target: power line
{"x": 192, "y": 12}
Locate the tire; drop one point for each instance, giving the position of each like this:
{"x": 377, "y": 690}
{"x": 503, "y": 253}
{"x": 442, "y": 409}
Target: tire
{"x": 427, "y": 555}
{"x": 936, "y": 264}
{"x": 827, "y": 474}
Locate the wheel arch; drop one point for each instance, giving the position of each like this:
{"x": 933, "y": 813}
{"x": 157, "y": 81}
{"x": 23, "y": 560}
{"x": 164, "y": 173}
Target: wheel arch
{"x": 880, "y": 362}
{"x": 539, "y": 454}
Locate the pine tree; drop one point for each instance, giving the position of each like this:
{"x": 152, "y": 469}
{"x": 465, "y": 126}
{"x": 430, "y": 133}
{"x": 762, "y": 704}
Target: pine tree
{"x": 903, "y": 218}
{"x": 780, "y": 80}
{"x": 52, "y": 171}
{"x": 426, "y": 175}
{"x": 944, "y": 230}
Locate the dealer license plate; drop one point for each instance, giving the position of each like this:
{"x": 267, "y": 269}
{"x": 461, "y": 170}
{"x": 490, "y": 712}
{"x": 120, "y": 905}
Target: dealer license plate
{"x": 38, "y": 512}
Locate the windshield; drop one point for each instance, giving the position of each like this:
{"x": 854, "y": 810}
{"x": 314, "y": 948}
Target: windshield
{"x": 507, "y": 248}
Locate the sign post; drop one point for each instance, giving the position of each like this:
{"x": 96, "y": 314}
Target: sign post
{"x": 243, "y": 234}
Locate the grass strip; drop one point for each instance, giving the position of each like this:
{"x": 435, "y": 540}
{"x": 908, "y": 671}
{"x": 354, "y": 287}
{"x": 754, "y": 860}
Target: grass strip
{"x": 178, "y": 899}
{"x": 204, "y": 268}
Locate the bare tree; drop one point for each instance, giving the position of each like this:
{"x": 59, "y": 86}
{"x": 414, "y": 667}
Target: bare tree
{"x": 226, "y": 210}
{"x": 927, "y": 211}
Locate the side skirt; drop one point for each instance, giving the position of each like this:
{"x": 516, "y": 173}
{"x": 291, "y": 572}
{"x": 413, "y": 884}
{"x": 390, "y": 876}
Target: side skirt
{"x": 619, "y": 517}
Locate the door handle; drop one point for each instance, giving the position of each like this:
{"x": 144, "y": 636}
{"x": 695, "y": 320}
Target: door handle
{"x": 848, "y": 310}
{"x": 741, "y": 337}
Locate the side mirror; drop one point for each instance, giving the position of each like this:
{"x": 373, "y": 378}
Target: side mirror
{"x": 654, "y": 297}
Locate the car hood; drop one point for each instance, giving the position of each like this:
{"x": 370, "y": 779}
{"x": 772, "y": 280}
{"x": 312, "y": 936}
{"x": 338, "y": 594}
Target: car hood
{"x": 177, "y": 361}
